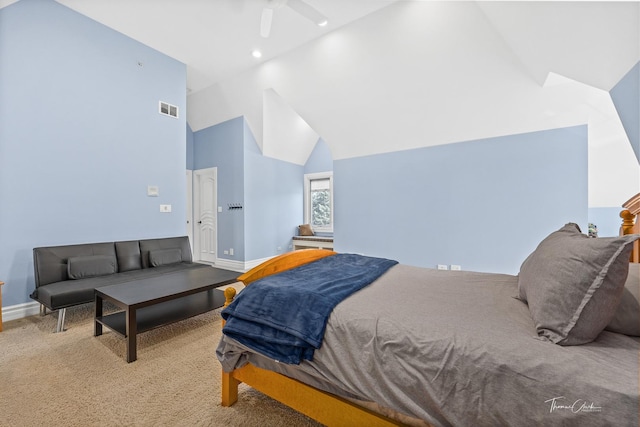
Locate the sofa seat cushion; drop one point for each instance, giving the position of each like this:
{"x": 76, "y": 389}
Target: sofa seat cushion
{"x": 72, "y": 292}
{"x": 157, "y": 271}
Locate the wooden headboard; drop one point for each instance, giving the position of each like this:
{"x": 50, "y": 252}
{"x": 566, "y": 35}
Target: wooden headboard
{"x": 631, "y": 223}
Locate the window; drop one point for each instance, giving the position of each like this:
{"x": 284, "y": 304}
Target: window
{"x": 318, "y": 201}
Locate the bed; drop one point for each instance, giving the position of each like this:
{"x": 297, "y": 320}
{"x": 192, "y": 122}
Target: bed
{"x": 419, "y": 346}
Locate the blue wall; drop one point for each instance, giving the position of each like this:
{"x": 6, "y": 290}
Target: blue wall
{"x": 221, "y": 146}
{"x": 270, "y": 191}
{"x": 81, "y": 137}
{"x": 449, "y": 204}
{"x": 483, "y": 204}
{"x": 320, "y": 159}
{"x": 607, "y": 220}
{"x": 626, "y": 97}
{"x": 273, "y": 201}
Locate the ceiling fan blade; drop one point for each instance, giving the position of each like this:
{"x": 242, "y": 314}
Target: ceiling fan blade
{"x": 265, "y": 22}
{"x": 308, "y": 11}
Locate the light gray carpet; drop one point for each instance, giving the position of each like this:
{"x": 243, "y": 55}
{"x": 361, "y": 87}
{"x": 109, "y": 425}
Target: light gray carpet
{"x": 76, "y": 379}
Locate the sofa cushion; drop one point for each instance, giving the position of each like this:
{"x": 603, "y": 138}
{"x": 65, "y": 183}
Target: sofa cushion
{"x": 50, "y": 263}
{"x": 160, "y": 257}
{"x": 182, "y": 243}
{"x": 81, "y": 267}
{"x": 128, "y": 254}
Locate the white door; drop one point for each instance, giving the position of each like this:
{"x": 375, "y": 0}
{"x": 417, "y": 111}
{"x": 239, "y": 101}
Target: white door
{"x": 205, "y": 215}
{"x": 190, "y": 207}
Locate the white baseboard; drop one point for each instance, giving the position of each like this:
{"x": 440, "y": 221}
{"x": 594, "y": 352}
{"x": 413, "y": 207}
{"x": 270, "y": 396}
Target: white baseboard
{"x": 228, "y": 264}
{"x": 254, "y": 263}
{"x": 19, "y": 311}
{"x": 239, "y": 265}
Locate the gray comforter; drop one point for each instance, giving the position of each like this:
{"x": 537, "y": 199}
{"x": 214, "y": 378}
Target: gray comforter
{"x": 456, "y": 348}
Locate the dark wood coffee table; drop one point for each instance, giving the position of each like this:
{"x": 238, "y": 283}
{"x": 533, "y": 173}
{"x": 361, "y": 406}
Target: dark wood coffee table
{"x": 160, "y": 300}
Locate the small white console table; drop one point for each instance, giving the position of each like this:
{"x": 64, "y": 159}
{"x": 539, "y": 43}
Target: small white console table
{"x": 315, "y": 242}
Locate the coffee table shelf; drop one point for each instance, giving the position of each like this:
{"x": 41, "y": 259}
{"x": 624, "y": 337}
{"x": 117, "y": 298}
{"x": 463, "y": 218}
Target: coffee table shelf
{"x": 165, "y": 313}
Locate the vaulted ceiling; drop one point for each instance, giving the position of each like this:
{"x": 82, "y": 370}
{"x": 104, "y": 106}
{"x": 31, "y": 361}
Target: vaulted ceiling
{"x": 215, "y": 38}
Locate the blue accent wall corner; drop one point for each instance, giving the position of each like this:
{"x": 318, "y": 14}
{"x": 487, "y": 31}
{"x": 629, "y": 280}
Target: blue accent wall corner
{"x": 626, "y": 98}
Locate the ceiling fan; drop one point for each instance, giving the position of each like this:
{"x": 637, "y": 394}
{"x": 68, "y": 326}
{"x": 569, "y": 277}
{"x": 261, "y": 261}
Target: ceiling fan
{"x": 303, "y": 8}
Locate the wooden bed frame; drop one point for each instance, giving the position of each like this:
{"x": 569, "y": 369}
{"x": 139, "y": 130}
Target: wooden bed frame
{"x": 324, "y": 407}
{"x": 631, "y": 223}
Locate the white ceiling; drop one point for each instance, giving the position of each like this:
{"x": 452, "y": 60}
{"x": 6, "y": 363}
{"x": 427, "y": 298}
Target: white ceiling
{"x": 215, "y": 38}
{"x": 568, "y": 37}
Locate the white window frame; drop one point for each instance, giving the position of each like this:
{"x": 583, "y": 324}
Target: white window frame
{"x": 307, "y": 199}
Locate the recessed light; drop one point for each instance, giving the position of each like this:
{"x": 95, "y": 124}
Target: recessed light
{"x": 256, "y": 53}
{"x": 323, "y": 23}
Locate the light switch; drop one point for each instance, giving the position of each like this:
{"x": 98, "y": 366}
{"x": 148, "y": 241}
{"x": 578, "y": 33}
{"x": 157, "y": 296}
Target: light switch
{"x": 219, "y": 208}
{"x": 165, "y": 208}
{"x": 152, "y": 191}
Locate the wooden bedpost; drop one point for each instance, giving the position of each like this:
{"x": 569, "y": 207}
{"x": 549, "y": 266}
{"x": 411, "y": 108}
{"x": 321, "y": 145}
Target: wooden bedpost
{"x": 631, "y": 223}
{"x": 627, "y": 222}
{"x": 229, "y": 295}
{"x": 229, "y": 384}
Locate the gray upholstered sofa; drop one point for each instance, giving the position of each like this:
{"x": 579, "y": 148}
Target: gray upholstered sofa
{"x": 68, "y": 275}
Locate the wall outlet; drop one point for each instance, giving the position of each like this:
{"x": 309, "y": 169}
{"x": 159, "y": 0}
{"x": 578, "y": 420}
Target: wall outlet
{"x": 279, "y": 249}
{"x": 442, "y": 267}
{"x": 226, "y": 252}
{"x": 231, "y": 251}
{"x": 456, "y": 267}
{"x": 165, "y": 208}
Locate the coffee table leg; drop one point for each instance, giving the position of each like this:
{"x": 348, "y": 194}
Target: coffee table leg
{"x": 97, "y": 326}
{"x": 131, "y": 334}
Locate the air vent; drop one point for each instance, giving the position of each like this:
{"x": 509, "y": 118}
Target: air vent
{"x": 168, "y": 109}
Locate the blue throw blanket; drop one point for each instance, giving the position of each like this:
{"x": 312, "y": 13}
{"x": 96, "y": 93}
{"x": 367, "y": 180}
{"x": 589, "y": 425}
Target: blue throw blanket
{"x": 284, "y": 316}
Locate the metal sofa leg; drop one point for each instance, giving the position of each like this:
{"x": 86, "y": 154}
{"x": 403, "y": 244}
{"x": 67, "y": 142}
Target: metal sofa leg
{"x": 43, "y": 310}
{"x": 61, "y": 313}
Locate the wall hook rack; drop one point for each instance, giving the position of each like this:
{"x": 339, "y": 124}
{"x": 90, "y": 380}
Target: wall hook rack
{"x": 234, "y": 206}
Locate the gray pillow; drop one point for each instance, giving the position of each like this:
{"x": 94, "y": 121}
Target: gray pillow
{"x": 627, "y": 318}
{"x": 82, "y": 267}
{"x": 160, "y": 257}
{"x": 573, "y": 283}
